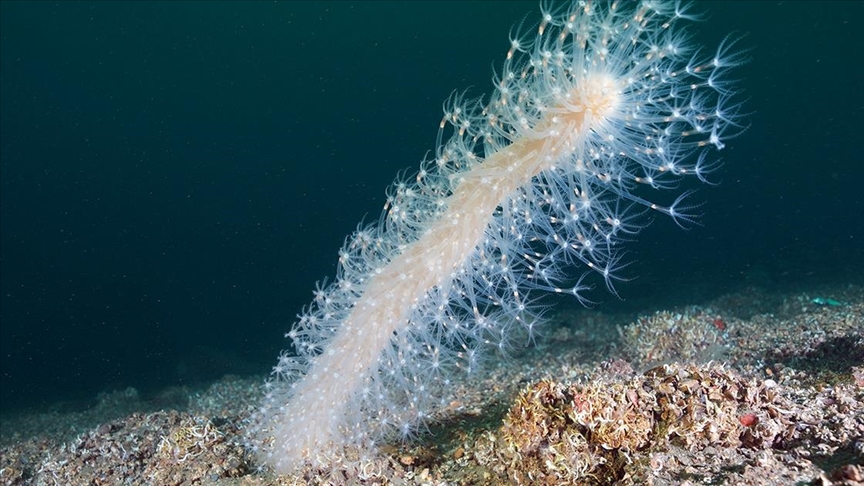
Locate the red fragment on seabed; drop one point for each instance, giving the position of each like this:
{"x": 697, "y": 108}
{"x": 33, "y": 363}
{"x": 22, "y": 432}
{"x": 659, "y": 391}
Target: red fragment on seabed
{"x": 748, "y": 420}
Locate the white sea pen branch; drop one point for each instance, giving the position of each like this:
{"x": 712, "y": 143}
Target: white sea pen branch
{"x": 535, "y": 183}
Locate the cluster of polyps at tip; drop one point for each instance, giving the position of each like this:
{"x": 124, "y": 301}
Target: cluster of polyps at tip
{"x": 619, "y": 97}
{"x": 604, "y": 98}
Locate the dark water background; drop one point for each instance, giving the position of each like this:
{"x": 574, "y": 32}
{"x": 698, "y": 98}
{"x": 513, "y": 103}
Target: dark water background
{"x": 174, "y": 177}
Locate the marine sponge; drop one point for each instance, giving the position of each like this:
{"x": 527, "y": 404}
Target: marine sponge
{"x": 557, "y": 434}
